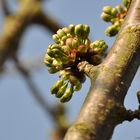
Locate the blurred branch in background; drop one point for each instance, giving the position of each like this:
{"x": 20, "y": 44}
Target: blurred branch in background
{"x": 30, "y": 12}
{"x": 5, "y": 7}
{"x": 57, "y": 112}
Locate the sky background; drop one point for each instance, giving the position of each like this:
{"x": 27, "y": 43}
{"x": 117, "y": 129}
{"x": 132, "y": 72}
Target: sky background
{"x": 21, "y": 118}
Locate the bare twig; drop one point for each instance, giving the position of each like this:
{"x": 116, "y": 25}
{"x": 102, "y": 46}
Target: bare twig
{"x": 5, "y": 7}
{"x": 57, "y": 112}
{"x": 29, "y": 13}
{"x": 131, "y": 115}
{"x": 34, "y": 90}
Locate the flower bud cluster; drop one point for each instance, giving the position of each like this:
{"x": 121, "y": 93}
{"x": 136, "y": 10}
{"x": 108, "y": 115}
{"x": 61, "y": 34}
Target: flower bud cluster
{"x": 72, "y": 46}
{"x": 115, "y": 16}
{"x": 65, "y": 87}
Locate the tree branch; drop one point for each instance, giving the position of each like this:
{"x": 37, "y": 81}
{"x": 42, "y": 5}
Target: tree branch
{"x": 102, "y": 109}
{"x": 29, "y": 13}
{"x": 5, "y": 8}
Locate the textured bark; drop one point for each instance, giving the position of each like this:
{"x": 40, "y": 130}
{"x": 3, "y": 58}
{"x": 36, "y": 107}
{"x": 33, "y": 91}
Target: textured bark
{"x": 103, "y": 108}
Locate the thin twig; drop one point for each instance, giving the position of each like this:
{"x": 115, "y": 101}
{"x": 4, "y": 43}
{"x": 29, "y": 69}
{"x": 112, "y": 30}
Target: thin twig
{"x": 5, "y": 8}
{"x": 34, "y": 90}
{"x": 54, "y": 111}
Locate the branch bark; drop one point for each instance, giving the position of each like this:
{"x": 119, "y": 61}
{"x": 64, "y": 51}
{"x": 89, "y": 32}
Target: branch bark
{"x": 103, "y": 108}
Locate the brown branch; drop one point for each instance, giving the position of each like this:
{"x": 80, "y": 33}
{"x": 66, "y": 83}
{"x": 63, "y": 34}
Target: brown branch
{"x": 102, "y": 107}
{"x": 29, "y": 13}
{"x": 131, "y": 115}
{"x": 34, "y": 90}
{"x": 5, "y": 8}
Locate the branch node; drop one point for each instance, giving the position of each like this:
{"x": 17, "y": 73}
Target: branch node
{"x": 89, "y": 69}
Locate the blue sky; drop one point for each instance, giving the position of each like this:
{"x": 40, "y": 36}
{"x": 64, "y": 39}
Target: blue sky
{"x": 20, "y": 116}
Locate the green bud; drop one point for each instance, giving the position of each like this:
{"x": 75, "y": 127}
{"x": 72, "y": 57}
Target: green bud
{"x": 106, "y": 17}
{"x": 98, "y": 47}
{"x": 113, "y": 20}
{"x": 75, "y": 43}
{"x": 50, "y": 52}
{"x": 56, "y": 38}
{"x": 114, "y": 12}
{"x": 120, "y": 9}
{"x": 78, "y": 30}
{"x": 64, "y": 38}
{"x": 61, "y": 33}
{"x": 66, "y": 30}
{"x": 54, "y": 46}
{"x": 61, "y": 90}
{"x": 86, "y": 29}
{"x": 71, "y": 28}
{"x": 126, "y": 3}
{"x": 112, "y": 30}
{"x": 49, "y": 47}
{"x": 54, "y": 89}
{"x": 101, "y": 43}
{"x": 67, "y": 95}
{"x": 58, "y": 53}
{"x": 52, "y": 70}
{"x": 107, "y": 9}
